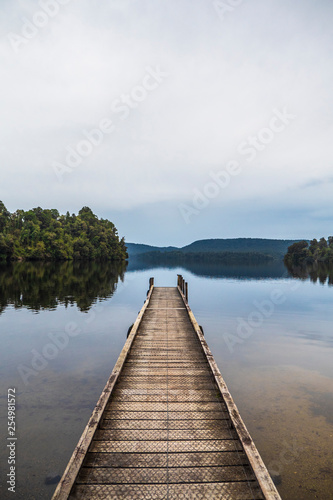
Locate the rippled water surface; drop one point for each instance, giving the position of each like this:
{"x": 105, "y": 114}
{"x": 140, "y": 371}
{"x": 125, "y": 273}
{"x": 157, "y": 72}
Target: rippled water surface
{"x": 63, "y": 326}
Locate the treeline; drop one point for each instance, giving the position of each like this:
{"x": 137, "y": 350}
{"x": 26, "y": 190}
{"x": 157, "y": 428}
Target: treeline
{"x": 316, "y": 251}
{"x": 181, "y": 257}
{"x": 247, "y": 245}
{"x": 40, "y": 234}
{"x": 275, "y": 248}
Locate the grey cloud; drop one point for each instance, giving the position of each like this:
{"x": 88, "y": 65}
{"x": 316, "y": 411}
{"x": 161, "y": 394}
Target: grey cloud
{"x": 225, "y": 79}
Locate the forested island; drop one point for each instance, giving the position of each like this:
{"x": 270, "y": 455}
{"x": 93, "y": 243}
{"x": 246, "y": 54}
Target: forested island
{"x": 313, "y": 252}
{"x": 44, "y": 234}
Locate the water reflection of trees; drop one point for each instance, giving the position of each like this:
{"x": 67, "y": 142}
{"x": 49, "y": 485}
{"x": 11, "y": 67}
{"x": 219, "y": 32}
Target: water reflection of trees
{"x": 271, "y": 270}
{"x": 45, "y": 285}
{"x": 320, "y": 272}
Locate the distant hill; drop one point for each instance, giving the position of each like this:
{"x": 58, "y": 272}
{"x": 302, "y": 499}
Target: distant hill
{"x": 179, "y": 257}
{"x": 266, "y": 246}
{"x": 274, "y": 248}
{"x": 138, "y": 248}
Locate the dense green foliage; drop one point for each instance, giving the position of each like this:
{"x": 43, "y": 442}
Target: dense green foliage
{"x": 316, "y": 251}
{"x": 39, "y": 234}
{"x": 45, "y": 285}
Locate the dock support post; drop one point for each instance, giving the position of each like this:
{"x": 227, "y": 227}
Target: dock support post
{"x": 151, "y": 282}
{"x": 183, "y": 286}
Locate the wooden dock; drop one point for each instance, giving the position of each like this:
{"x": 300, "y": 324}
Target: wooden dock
{"x": 165, "y": 426}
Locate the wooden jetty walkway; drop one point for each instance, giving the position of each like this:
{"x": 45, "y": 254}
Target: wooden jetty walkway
{"x": 166, "y": 426}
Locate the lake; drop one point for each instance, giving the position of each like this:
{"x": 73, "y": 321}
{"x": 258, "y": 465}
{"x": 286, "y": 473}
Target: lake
{"x": 63, "y": 326}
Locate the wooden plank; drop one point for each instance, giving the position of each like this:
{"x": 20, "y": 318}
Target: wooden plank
{"x": 164, "y": 424}
{"x": 169, "y": 406}
{"x": 158, "y": 415}
{"x": 174, "y": 384}
{"x": 175, "y": 395}
{"x": 163, "y": 435}
{"x": 147, "y": 475}
{"x": 202, "y": 491}
{"x": 216, "y": 445}
{"x": 163, "y": 459}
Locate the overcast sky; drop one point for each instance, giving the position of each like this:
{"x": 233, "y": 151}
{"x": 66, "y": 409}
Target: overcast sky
{"x": 176, "y": 119}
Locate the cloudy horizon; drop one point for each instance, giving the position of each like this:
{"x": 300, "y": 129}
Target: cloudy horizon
{"x": 176, "y": 121}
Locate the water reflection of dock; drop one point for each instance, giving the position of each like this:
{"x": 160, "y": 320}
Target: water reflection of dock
{"x": 165, "y": 425}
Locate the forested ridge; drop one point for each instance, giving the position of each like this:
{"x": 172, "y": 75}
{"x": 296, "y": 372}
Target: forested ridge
{"x": 304, "y": 252}
{"x": 246, "y": 245}
{"x": 275, "y": 248}
{"x": 44, "y": 234}
{"x": 180, "y": 257}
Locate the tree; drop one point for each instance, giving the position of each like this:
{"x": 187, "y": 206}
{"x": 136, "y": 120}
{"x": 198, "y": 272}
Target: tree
{"x": 297, "y": 252}
{"x": 4, "y": 217}
{"x": 322, "y": 243}
{"x": 313, "y": 246}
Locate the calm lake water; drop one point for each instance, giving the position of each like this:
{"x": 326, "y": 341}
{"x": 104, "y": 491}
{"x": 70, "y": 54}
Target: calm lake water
{"x": 63, "y": 326}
